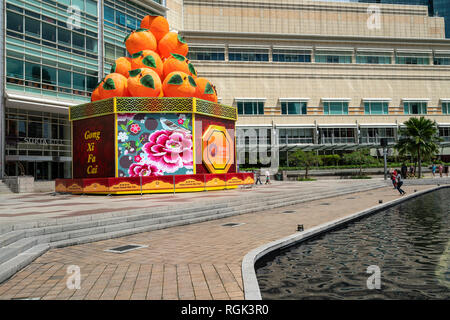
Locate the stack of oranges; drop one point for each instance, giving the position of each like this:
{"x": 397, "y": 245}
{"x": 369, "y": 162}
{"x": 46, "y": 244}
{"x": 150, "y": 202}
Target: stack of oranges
{"x": 157, "y": 67}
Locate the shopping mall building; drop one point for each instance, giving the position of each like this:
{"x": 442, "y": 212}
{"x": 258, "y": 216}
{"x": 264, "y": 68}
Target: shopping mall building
{"x": 316, "y": 75}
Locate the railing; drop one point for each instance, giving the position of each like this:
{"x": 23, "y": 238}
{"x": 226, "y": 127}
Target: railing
{"x": 309, "y": 140}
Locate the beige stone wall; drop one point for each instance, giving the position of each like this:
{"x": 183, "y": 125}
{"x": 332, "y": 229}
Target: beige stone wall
{"x": 175, "y": 14}
{"x": 273, "y": 81}
{"x": 309, "y": 17}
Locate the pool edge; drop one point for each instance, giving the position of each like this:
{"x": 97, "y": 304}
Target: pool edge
{"x": 250, "y": 281}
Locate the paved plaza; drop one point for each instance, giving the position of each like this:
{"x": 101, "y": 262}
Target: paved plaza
{"x": 196, "y": 261}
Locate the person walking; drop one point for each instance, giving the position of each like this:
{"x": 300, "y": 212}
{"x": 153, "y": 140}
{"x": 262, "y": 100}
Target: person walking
{"x": 433, "y": 169}
{"x": 411, "y": 171}
{"x": 267, "y": 177}
{"x": 446, "y": 170}
{"x": 257, "y": 176}
{"x": 398, "y": 178}
{"x": 441, "y": 169}
{"x": 393, "y": 179}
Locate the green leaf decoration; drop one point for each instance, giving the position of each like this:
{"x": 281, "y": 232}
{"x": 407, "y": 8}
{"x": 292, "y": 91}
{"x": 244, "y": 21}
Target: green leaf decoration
{"x": 136, "y": 55}
{"x": 149, "y": 61}
{"x": 123, "y": 127}
{"x": 180, "y": 38}
{"x": 129, "y": 122}
{"x": 147, "y": 81}
{"x": 138, "y": 149}
{"x": 192, "y": 69}
{"x": 109, "y": 84}
{"x": 134, "y": 73}
{"x": 186, "y": 123}
{"x": 126, "y": 38}
{"x": 192, "y": 81}
{"x": 178, "y": 56}
{"x": 176, "y": 79}
{"x": 113, "y": 68}
{"x": 208, "y": 89}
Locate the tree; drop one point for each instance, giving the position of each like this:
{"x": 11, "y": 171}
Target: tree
{"x": 419, "y": 138}
{"x": 359, "y": 157}
{"x": 305, "y": 159}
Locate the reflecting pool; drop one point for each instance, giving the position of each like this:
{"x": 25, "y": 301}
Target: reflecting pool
{"x": 409, "y": 244}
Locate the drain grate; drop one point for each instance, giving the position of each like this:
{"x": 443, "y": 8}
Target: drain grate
{"x": 289, "y": 211}
{"x": 232, "y": 224}
{"x": 126, "y": 248}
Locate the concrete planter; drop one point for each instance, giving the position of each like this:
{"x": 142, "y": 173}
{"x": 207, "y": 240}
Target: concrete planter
{"x": 20, "y": 184}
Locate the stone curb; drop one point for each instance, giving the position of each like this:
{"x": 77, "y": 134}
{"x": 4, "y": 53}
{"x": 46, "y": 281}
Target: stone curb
{"x": 250, "y": 281}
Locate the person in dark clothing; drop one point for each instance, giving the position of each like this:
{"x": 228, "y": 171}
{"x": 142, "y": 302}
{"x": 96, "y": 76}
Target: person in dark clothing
{"x": 257, "y": 177}
{"x": 404, "y": 170}
{"x": 398, "y": 178}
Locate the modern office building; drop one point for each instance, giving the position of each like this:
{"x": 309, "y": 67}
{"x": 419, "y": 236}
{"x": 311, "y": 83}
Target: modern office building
{"x": 328, "y": 76}
{"x": 52, "y": 55}
{"x": 317, "y": 75}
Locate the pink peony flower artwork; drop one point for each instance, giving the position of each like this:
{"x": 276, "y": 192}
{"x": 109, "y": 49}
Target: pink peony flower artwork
{"x": 170, "y": 150}
{"x": 144, "y": 170}
{"x": 135, "y": 128}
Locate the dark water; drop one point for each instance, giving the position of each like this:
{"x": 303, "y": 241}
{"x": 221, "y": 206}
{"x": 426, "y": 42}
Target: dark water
{"x": 410, "y": 243}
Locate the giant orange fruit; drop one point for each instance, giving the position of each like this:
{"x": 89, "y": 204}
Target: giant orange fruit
{"x": 144, "y": 82}
{"x": 205, "y": 90}
{"x": 147, "y": 59}
{"x": 122, "y": 65}
{"x": 114, "y": 85}
{"x": 177, "y": 62}
{"x": 95, "y": 95}
{"x": 158, "y": 25}
{"x": 179, "y": 84}
{"x": 172, "y": 43}
{"x": 140, "y": 39}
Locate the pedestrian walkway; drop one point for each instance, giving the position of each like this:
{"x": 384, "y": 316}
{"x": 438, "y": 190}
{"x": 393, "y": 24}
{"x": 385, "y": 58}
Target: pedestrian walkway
{"x": 196, "y": 261}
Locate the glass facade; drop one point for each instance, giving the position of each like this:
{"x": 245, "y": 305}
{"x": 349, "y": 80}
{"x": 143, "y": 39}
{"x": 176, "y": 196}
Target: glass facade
{"x": 441, "y": 60}
{"x": 49, "y": 51}
{"x": 52, "y": 50}
{"x": 293, "y": 107}
{"x": 335, "y": 107}
{"x": 412, "y": 59}
{"x": 375, "y": 107}
{"x": 250, "y": 107}
{"x": 40, "y": 141}
{"x": 415, "y": 107}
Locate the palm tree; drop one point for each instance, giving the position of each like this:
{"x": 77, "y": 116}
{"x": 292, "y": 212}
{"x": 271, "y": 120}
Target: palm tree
{"x": 419, "y": 138}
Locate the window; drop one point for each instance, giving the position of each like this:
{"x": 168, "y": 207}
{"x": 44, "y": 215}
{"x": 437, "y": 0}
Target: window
{"x": 296, "y": 135}
{"x": 333, "y": 57}
{"x": 441, "y": 60}
{"x": 373, "y": 135}
{"x": 444, "y": 132}
{"x": 64, "y": 79}
{"x": 32, "y": 71}
{"x": 336, "y": 135}
{"x": 250, "y": 107}
{"x": 48, "y": 75}
{"x": 14, "y": 68}
{"x": 248, "y": 54}
{"x": 78, "y": 40}
{"x": 293, "y": 107}
{"x": 32, "y": 27}
{"x": 373, "y": 59}
{"x": 109, "y": 14}
{"x": 412, "y": 59}
{"x": 14, "y": 22}
{"x": 91, "y": 44}
{"x": 371, "y": 107}
{"x": 79, "y": 81}
{"x": 198, "y": 53}
{"x": 64, "y": 36}
{"x": 415, "y": 107}
{"x": 446, "y": 107}
{"x": 48, "y": 32}
{"x": 335, "y": 107}
{"x": 279, "y": 55}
